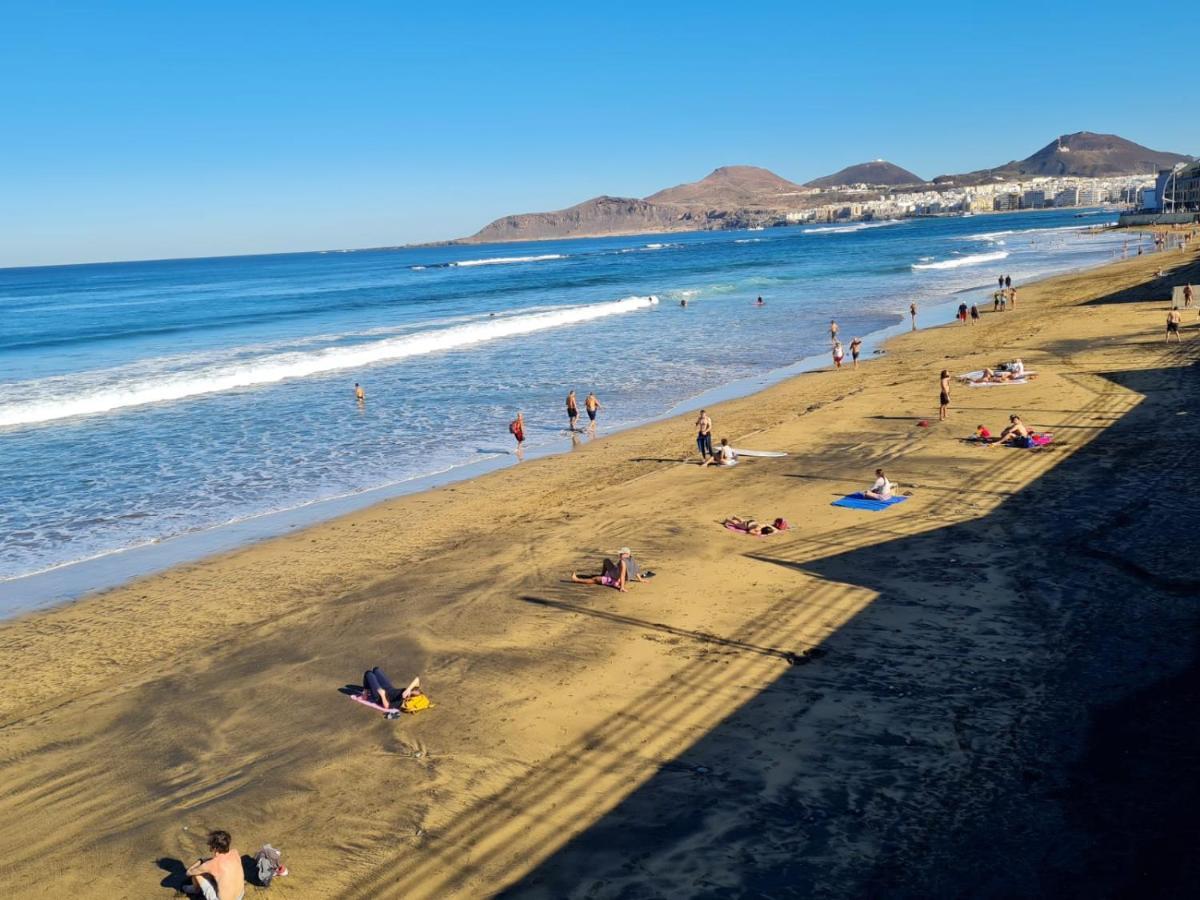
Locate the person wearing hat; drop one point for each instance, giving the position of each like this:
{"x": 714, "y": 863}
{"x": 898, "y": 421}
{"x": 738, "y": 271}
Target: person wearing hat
{"x": 614, "y": 574}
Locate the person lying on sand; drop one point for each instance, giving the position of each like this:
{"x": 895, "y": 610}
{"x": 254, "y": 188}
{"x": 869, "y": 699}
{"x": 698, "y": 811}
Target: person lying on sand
{"x": 882, "y": 488}
{"x": 751, "y": 526}
{"x": 378, "y": 688}
{"x": 723, "y": 457}
{"x": 614, "y": 574}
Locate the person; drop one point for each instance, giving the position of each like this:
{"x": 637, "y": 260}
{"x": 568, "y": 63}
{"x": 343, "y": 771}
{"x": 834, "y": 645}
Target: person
{"x": 912, "y": 311}
{"x": 220, "y": 876}
{"x": 613, "y": 575}
{"x": 974, "y": 313}
{"x": 1187, "y": 295}
{"x": 838, "y": 353}
{"x": 1016, "y": 368}
{"x": 517, "y": 429}
{"x": 1012, "y": 297}
{"x": 683, "y": 302}
{"x": 592, "y": 405}
{"x": 1008, "y": 281}
{"x": 1173, "y": 319}
{"x": 833, "y": 330}
{"x": 962, "y": 314}
{"x": 882, "y": 488}
{"x": 359, "y": 394}
{"x": 378, "y": 689}
{"x": 945, "y": 397}
{"x": 752, "y": 526}
{"x": 724, "y": 455}
{"x": 855, "y": 349}
{"x": 760, "y": 302}
{"x": 704, "y": 435}
{"x": 572, "y": 410}
{"x": 996, "y": 301}
{"x": 1000, "y": 282}
{"x": 982, "y": 434}
{"x": 1003, "y": 301}
{"x": 1016, "y": 430}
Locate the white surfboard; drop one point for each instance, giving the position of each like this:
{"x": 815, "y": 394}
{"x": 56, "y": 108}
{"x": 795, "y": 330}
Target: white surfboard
{"x": 767, "y": 453}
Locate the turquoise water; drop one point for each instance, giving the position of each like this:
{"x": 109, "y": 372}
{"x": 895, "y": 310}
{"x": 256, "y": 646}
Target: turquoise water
{"x": 147, "y": 400}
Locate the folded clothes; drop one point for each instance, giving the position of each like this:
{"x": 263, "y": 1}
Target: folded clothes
{"x": 858, "y": 501}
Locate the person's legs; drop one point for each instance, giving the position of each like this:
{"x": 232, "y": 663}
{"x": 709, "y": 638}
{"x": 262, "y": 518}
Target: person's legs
{"x": 204, "y": 886}
{"x": 371, "y": 685}
{"x": 384, "y": 682}
{"x": 708, "y": 444}
{"x": 599, "y": 579}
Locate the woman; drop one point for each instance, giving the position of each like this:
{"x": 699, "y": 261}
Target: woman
{"x": 613, "y": 575}
{"x": 882, "y": 488}
{"x": 750, "y": 526}
{"x": 838, "y": 353}
{"x": 974, "y": 313}
{"x": 517, "y": 429}
{"x": 377, "y": 688}
{"x": 945, "y": 398}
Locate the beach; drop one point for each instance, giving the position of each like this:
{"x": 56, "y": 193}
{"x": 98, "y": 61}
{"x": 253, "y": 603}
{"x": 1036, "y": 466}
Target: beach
{"x": 932, "y": 700}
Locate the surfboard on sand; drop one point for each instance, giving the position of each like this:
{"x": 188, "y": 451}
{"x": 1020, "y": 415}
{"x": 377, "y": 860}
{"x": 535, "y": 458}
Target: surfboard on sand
{"x": 764, "y": 453}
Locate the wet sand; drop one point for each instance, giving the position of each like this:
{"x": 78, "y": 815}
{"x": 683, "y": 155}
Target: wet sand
{"x": 934, "y": 700}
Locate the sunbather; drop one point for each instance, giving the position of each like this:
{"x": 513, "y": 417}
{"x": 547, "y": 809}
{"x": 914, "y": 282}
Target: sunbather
{"x": 881, "y": 489}
{"x": 751, "y": 526}
{"x": 613, "y": 574}
{"x": 378, "y": 688}
{"x": 1016, "y": 431}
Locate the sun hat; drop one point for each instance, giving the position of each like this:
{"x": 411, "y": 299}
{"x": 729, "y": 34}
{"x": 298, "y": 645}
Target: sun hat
{"x": 624, "y": 551}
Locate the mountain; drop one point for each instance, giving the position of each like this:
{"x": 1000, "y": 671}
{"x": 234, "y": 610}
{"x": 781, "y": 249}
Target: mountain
{"x": 599, "y": 216}
{"x": 879, "y": 172}
{"x": 1083, "y": 155}
{"x": 730, "y": 187}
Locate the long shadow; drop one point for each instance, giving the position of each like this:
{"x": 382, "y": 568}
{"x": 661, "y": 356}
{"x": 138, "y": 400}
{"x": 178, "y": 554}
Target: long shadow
{"x": 1012, "y": 716}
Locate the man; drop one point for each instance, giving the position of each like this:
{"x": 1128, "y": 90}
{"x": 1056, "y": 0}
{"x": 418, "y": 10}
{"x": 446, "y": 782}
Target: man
{"x": 592, "y": 405}
{"x": 912, "y": 311}
{"x": 704, "y": 436}
{"x": 359, "y": 394}
{"x": 220, "y": 876}
{"x": 1173, "y": 319}
{"x": 1008, "y": 281}
{"x": 962, "y": 314}
{"x": 833, "y": 330}
{"x": 1187, "y": 295}
{"x": 572, "y": 410}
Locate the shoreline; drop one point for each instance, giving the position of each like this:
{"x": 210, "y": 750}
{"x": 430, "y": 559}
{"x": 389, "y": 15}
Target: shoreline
{"x": 958, "y": 649}
{"x": 71, "y": 581}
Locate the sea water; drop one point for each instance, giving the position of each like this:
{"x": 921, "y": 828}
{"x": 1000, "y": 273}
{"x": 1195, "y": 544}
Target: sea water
{"x": 147, "y": 400}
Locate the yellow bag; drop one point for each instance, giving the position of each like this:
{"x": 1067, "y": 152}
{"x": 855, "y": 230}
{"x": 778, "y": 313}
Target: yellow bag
{"x": 416, "y": 703}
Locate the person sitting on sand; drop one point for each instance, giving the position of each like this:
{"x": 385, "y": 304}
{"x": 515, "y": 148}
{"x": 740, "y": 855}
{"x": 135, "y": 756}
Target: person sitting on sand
{"x": 1016, "y": 368}
{"x": 724, "y": 455}
{"x": 982, "y": 434}
{"x": 752, "y": 526}
{"x": 612, "y": 574}
{"x": 882, "y": 488}
{"x": 219, "y": 877}
{"x": 1016, "y": 430}
{"x": 378, "y": 689}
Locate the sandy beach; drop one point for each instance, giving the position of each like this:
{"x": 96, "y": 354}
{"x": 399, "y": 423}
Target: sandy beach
{"x": 987, "y": 690}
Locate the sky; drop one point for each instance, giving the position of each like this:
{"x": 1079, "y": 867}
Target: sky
{"x": 158, "y": 130}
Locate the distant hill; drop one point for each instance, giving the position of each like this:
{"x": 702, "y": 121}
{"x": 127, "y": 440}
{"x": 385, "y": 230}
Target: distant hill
{"x": 730, "y": 187}
{"x": 1083, "y": 155}
{"x": 598, "y": 216}
{"x": 879, "y": 172}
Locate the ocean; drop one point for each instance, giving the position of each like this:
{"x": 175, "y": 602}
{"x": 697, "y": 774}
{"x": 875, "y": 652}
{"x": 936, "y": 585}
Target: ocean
{"x": 147, "y": 401}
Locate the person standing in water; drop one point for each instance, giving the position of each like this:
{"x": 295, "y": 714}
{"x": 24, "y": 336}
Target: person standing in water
{"x": 944, "y": 403}
{"x": 572, "y": 410}
{"x": 359, "y": 394}
{"x": 761, "y": 302}
{"x": 912, "y": 311}
{"x": 1008, "y": 281}
{"x": 517, "y": 429}
{"x": 833, "y": 330}
{"x": 592, "y": 405}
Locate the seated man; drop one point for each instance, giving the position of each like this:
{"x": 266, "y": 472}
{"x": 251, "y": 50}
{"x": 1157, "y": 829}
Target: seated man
{"x": 1016, "y": 432}
{"x": 882, "y": 489}
{"x": 220, "y": 876}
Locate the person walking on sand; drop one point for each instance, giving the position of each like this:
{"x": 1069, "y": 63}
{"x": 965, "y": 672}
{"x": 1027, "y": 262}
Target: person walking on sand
{"x": 592, "y": 405}
{"x": 855, "y": 349}
{"x": 572, "y": 410}
{"x": 838, "y": 354}
{"x": 1173, "y": 320}
{"x": 974, "y": 313}
{"x": 517, "y": 429}
{"x": 962, "y": 314}
{"x": 704, "y": 436}
{"x": 1187, "y": 295}
{"x": 833, "y": 330}
{"x": 220, "y": 876}
{"x": 359, "y": 394}
{"x": 945, "y": 398}
{"x": 912, "y": 311}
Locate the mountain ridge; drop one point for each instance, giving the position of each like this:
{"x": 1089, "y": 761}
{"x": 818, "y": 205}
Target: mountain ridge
{"x": 875, "y": 172}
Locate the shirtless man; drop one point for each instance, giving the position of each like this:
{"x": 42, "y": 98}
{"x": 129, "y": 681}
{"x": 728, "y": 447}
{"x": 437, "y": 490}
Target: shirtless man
{"x": 592, "y": 405}
{"x": 855, "y": 349}
{"x": 1173, "y": 320}
{"x": 704, "y": 436}
{"x": 1016, "y": 429}
{"x": 1187, "y": 295}
{"x": 944, "y": 399}
{"x": 833, "y": 330}
{"x": 359, "y": 394}
{"x": 220, "y": 876}
{"x": 912, "y": 311}
{"x": 572, "y": 410}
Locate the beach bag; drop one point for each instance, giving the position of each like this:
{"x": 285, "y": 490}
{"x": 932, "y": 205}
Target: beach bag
{"x": 415, "y": 704}
{"x": 269, "y": 862}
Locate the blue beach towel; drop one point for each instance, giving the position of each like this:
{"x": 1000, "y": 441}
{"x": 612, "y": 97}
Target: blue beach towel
{"x": 858, "y": 501}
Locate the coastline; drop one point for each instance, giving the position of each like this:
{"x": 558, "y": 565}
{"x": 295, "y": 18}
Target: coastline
{"x": 71, "y": 581}
{"x": 559, "y": 707}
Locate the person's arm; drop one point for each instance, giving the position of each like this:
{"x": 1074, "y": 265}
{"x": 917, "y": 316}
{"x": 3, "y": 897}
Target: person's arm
{"x": 200, "y": 867}
{"x": 414, "y": 687}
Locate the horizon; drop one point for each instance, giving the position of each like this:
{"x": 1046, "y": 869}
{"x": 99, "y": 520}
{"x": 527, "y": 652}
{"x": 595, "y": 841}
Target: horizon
{"x": 145, "y": 134}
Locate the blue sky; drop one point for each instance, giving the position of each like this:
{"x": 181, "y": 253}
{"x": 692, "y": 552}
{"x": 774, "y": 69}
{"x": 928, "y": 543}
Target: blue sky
{"x": 149, "y": 130}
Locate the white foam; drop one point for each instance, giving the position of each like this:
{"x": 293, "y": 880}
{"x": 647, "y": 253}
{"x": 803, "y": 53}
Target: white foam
{"x": 66, "y": 397}
{"x": 505, "y": 260}
{"x": 972, "y": 260}
{"x": 846, "y": 229}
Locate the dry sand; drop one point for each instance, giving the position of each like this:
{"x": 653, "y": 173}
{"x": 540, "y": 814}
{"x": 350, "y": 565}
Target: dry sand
{"x": 981, "y": 652}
